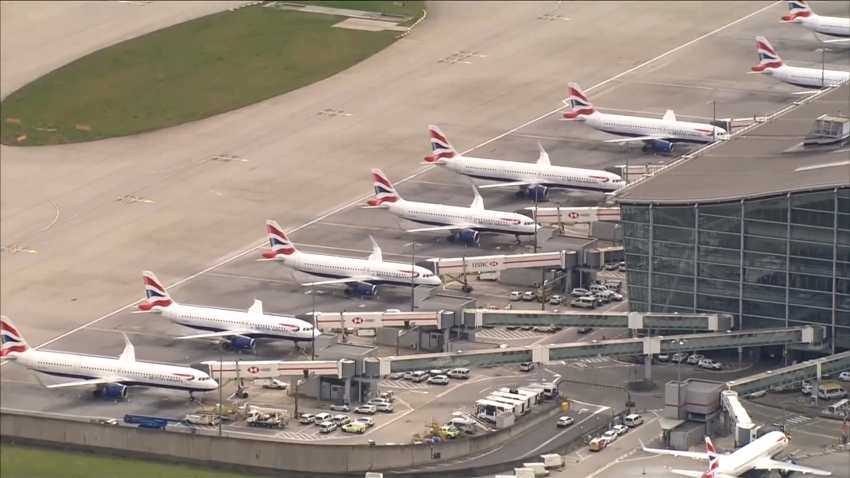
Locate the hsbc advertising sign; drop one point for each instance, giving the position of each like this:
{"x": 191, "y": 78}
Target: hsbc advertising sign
{"x": 577, "y": 215}
{"x": 459, "y": 265}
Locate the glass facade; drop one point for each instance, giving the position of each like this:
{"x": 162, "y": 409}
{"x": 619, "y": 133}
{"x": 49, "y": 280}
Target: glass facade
{"x": 772, "y": 262}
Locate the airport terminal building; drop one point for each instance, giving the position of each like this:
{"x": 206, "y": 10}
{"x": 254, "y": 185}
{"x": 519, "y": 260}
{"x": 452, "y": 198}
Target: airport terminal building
{"x": 758, "y": 227}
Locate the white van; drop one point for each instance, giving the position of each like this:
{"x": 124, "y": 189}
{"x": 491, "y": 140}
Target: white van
{"x": 597, "y": 288}
{"x": 838, "y": 408}
{"x": 459, "y": 373}
{"x": 632, "y": 420}
{"x": 327, "y": 427}
{"x": 831, "y": 391}
{"x": 419, "y": 376}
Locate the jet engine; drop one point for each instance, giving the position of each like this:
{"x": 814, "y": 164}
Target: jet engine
{"x": 238, "y": 342}
{"x": 115, "y": 392}
{"x": 538, "y": 193}
{"x": 466, "y": 236}
{"x": 362, "y": 289}
{"x": 786, "y": 473}
{"x": 659, "y": 146}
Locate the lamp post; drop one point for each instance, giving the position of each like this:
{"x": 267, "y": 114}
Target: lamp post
{"x": 823, "y": 65}
{"x": 412, "y": 246}
{"x": 315, "y": 324}
{"x": 679, "y": 363}
{"x": 220, "y": 384}
{"x": 713, "y": 120}
{"x": 297, "y": 384}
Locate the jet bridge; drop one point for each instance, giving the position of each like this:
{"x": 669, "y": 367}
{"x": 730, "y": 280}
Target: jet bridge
{"x": 573, "y": 215}
{"x": 621, "y": 320}
{"x": 812, "y": 335}
{"x": 476, "y": 264}
{"x": 808, "y": 370}
{"x": 744, "y": 426}
{"x": 250, "y": 370}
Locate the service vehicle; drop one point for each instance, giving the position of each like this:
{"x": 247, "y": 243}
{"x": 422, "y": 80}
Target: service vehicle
{"x": 201, "y": 419}
{"x": 341, "y": 407}
{"x": 321, "y": 417}
{"x": 387, "y": 396}
{"x": 327, "y": 427}
{"x": 806, "y": 388}
{"x": 633, "y": 420}
{"x": 564, "y": 422}
{"x": 529, "y": 295}
{"x": 419, "y": 376}
{"x": 307, "y": 419}
{"x": 602, "y": 298}
{"x": 438, "y": 380}
{"x": 526, "y": 366}
{"x": 258, "y": 418}
{"x": 515, "y": 296}
{"x": 271, "y": 383}
{"x": 449, "y": 431}
{"x": 461, "y": 423}
{"x": 597, "y": 288}
{"x": 354, "y": 427}
{"x": 368, "y": 421}
{"x": 341, "y": 420}
{"x": 459, "y": 373}
{"x": 597, "y": 444}
{"x": 611, "y": 296}
{"x": 586, "y": 302}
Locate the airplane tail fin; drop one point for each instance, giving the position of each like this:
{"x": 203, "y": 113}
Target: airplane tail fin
{"x": 713, "y": 462}
{"x": 440, "y": 147}
{"x": 798, "y": 10}
{"x": 385, "y": 193}
{"x": 768, "y": 58}
{"x": 579, "y": 104}
{"x": 156, "y": 296}
{"x": 11, "y": 340}
{"x": 280, "y": 244}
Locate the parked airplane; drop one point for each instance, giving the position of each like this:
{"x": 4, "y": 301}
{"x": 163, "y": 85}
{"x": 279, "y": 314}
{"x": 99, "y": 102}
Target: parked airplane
{"x": 657, "y": 135}
{"x": 111, "y": 377}
{"x": 534, "y": 180}
{"x": 758, "y": 455}
{"x": 239, "y": 329}
{"x": 360, "y": 275}
{"x": 802, "y": 15}
{"x": 770, "y": 64}
{"x": 464, "y": 223}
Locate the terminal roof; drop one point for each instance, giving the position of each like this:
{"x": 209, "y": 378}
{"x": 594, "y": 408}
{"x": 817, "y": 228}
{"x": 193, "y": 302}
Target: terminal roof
{"x": 757, "y": 163}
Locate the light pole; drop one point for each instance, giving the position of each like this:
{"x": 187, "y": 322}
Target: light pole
{"x": 297, "y": 384}
{"x": 220, "y": 384}
{"x": 412, "y": 246}
{"x": 679, "y": 363}
{"x": 823, "y": 65}
{"x": 713, "y": 120}
{"x": 542, "y": 297}
{"x": 315, "y": 324}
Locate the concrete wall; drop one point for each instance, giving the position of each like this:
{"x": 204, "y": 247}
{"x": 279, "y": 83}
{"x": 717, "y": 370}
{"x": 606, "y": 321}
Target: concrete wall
{"x": 687, "y": 435}
{"x": 675, "y": 398}
{"x": 242, "y": 454}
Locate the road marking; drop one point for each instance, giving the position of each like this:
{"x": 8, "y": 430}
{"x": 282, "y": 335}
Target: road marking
{"x": 568, "y": 429}
{"x": 414, "y": 175}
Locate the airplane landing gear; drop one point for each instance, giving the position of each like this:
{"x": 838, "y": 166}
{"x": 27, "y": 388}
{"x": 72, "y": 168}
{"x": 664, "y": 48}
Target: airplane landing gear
{"x": 191, "y": 396}
{"x": 517, "y": 239}
{"x": 240, "y": 389}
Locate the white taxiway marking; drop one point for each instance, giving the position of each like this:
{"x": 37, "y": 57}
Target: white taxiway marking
{"x": 419, "y": 173}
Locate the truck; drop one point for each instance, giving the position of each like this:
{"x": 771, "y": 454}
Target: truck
{"x": 268, "y": 420}
{"x": 201, "y": 419}
{"x": 552, "y": 460}
{"x": 271, "y": 383}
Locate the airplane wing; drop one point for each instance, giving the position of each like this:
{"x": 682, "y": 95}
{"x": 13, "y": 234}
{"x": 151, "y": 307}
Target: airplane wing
{"x": 441, "y": 228}
{"x": 340, "y": 281}
{"x": 96, "y": 381}
{"x": 840, "y": 40}
{"x": 226, "y": 333}
{"x": 768, "y": 464}
{"x": 696, "y": 455}
{"x": 698, "y": 474}
{"x": 506, "y": 185}
{"x": 640, "y": 138}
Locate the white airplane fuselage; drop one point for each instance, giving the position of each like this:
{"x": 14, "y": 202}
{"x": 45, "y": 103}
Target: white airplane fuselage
{"x": 637, "y": 127}
{"x": 481, "y": 220}
{"x": 746, "y": 458}
{"x": 831, "y": 26}
{"x": 86, "y": 367}
{"x": 548, "y": 176}
{"x": 222, "y": 320}
{"x": 383, "y": 273}
{"x": 815, "y": 78}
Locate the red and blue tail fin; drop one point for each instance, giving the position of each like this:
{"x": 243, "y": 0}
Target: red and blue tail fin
{"x": 10, "y": 338}
{"x": 440, "y": 146}
{"x": 280, "y": 244}
{"x": 385, "y": 193}
{"x": 580, "y": 105}
{"x": 713, "y": 462}
{"x": 768, "y": 58}
{"x": 156, "y": 296}
{"x": 798, "y": 11}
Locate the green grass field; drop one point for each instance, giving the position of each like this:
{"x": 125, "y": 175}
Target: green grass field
{"x": 408, "y": 9}
{"x": 26, "y": 462}
{"x": 184, "y": 73}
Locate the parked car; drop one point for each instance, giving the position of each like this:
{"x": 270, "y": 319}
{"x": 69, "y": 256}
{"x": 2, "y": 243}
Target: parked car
{"x": 695, "y": 358}
{"x": 579, "y": 292}
{"x": 758, "y": 394}
{"x": 458, "y": 373}
{"x": 341, "y": 420}
{"x": 368, "y": 421}
{"x": 610, "y": 436}
{"x": 633, "y": 420}
{"x": 602, "y": 298}
{"x": 271, "y": 383}
{"x": 620, "y": 429}
{"x": 614, "y": 285}
{"x": 844, "y": 376}
{"x": 515, "y": 296}
{"x": 585, "y": 330}
{"x": 385, "y": 407}
{"x": 611, "y": 266}
{"x": 354, "y": 427}
{"x": 806, "y": 388}
{"x": 545, "y": 329}
{"x": 396, "y": 376}
{"x": 586, "y": 302}
{"x": 366, "y": 408}
{"x": 526, "y": 327}
{"x": 622, "y": 266}
{"x": 597, "y": 444}
{"x": 526, "y": 366}
{"x": 663, "y": 357}
{"x": 557, "y": 300}
{"x": 512, "y": 327}
{"x": 709, "y": 364}
{"x": 307, "y": 419}
{"x": 408, "y": 375}
{"x": 564, "y": 422}
{"x": 327, "y": 427}
{"x": 461, "y": 422}
{"x": 438, "y": 380}
{"x": 679, "y": 357}
{"x": 449, "y": 431}
{"x": 341, "y": 407}
{"x": 529, "y": 295}
{"x": 320, "y": 418}
{"x": 611, "y": 296}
